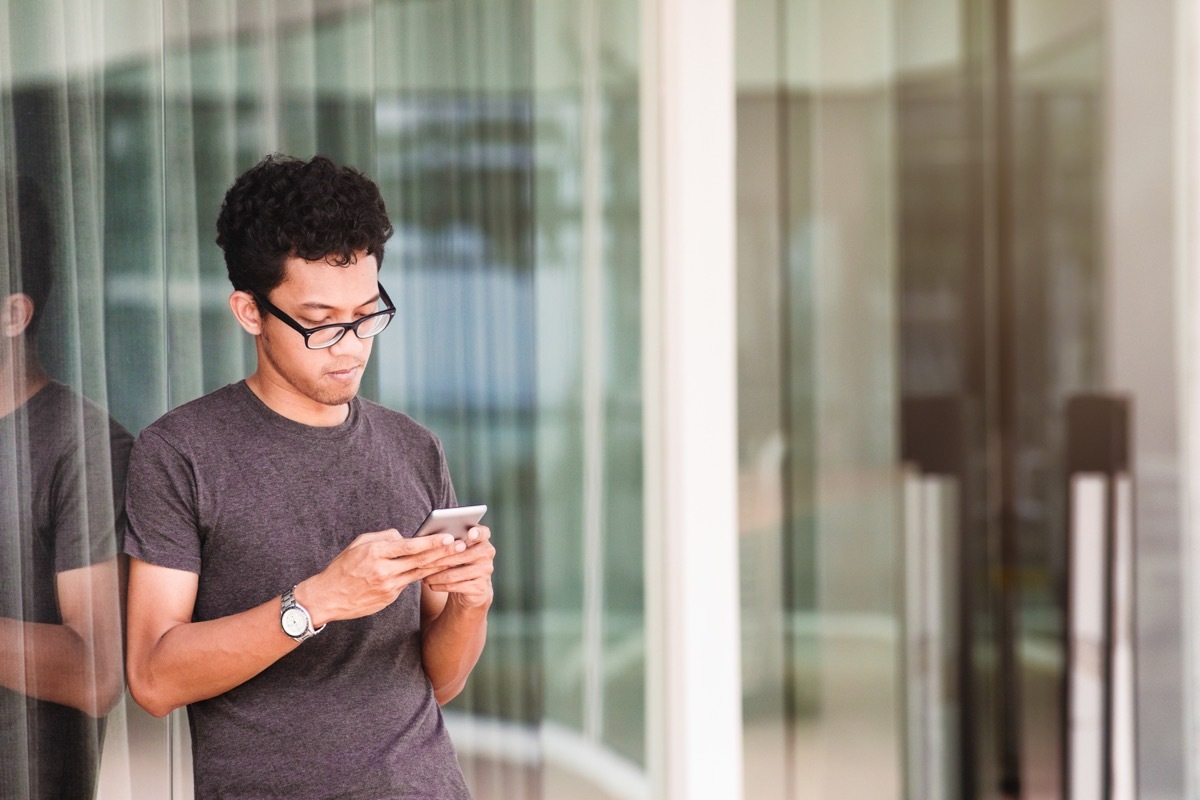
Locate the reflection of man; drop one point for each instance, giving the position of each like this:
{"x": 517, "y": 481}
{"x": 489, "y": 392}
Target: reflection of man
{"x": 62, "y": 466}
{"x": 270, "y": 587}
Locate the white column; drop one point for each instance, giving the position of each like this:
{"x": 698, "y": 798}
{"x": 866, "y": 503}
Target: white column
{"x": 689, "y": 334}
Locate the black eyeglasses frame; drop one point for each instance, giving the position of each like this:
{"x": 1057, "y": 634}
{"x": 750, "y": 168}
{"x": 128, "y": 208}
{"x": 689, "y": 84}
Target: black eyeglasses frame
{"x": 282, "y": 316}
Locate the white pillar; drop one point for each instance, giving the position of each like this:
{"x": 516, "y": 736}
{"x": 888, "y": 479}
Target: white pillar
{"x": 690, "y": 391}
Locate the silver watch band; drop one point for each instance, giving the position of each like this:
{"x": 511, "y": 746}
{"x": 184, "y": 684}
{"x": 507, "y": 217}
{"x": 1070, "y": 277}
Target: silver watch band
{"x": 289, "y": 604}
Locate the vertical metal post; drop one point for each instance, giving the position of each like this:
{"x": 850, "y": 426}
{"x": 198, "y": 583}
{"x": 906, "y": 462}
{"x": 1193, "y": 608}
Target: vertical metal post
{"x": 941, "y": 707}
{"x": 1004, "y": 398}
{"x": 1099, "y": 732}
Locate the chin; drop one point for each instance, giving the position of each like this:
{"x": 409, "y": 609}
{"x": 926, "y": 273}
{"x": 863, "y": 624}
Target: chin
{"x": 339, "y": 398}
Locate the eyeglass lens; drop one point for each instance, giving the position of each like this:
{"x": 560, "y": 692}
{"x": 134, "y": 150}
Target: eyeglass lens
{"x": 365, "y": 328}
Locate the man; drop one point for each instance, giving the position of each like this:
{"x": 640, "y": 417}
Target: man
{"x": 62, "y": 466}
{"x": 275, "y": 588}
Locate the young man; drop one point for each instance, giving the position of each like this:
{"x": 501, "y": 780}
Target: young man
{"x": 62, "y": 468}
{"x": 275, "y": 588}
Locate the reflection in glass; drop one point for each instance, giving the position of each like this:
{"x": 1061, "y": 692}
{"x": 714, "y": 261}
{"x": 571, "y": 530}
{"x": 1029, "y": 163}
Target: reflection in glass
{"x": 62, "y": 462}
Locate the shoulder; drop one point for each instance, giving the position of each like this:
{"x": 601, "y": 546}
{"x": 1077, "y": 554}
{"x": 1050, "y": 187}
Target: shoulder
{"x": 186, "y": 433}
{"x": 180, "y": 424}
{"x": 397, "y": 424}
{"x": 66, "y": 414}
{"x": 407, "y": 439}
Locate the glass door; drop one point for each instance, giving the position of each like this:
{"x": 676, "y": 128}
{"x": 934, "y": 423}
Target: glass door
{"x": 957, "y": 391}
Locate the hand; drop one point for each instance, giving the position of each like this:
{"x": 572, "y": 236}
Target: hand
{"x": 371, "y": 572}
{"x": 467, "y": 575}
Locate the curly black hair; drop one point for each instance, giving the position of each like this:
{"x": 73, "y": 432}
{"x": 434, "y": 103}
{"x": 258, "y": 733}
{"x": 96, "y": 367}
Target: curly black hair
{"x": 285, "y": 207}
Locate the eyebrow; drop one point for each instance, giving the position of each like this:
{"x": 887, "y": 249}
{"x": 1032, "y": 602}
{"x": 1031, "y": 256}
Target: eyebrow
{"x": 315, "y": 306}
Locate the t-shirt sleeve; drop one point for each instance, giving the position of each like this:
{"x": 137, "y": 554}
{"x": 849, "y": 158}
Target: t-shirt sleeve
{"x": 85, "y": 532}
{"x": 160, "y": 506}
{"x": 87, "y": 495}
{"x": 447, "y": 497}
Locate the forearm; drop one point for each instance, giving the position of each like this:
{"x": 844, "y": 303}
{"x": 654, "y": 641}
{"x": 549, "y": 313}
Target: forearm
{"x": 452, "y": 643}
{"x": 54, "y": 663}
{"x": 198, "y": 660}
{"x": 173, "y": 661}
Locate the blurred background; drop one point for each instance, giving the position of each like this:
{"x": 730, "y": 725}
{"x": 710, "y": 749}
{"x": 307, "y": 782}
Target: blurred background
{"x": 966, "y": 307}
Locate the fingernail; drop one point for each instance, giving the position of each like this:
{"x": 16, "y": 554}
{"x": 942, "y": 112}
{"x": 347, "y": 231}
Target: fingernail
{"x": 474, "y": 534}
{"x": 458, "y": 548}
{"x": 447, "y": 539}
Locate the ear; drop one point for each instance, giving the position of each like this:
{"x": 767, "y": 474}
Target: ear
{"x": 245, "y": 311}
{"x": 16, "y": 314}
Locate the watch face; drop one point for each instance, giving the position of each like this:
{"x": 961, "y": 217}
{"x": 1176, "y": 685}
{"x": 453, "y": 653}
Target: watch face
{"x": 295, "y": 623}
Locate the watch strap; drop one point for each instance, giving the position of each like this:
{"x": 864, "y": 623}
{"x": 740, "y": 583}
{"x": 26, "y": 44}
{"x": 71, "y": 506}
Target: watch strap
{"x": 289, "y": 602}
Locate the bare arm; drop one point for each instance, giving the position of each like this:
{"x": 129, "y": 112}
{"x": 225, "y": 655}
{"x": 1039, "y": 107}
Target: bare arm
{"x": 173, "y": 661}
{"x": 454, "y": 608}
{"x": 77, "y": 663}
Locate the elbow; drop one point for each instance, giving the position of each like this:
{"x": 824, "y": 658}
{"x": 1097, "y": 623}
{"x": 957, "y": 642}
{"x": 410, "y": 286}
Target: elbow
{"x": 444, "y": 694}
{"x": 109, "y": 690}
{"x": 154, "y": 706}
{"x": 147, "y": 695}
{"x": 100, "y": 686}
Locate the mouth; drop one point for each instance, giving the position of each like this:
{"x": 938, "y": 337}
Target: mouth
{"x": 345, "y": 373}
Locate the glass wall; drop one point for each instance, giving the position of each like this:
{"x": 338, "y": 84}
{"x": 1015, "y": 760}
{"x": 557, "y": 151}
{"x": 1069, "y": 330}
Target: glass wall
{"x": 504, "y": 136}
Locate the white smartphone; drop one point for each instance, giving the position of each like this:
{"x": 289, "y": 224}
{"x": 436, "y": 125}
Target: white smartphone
{"x": 455, "y": 521}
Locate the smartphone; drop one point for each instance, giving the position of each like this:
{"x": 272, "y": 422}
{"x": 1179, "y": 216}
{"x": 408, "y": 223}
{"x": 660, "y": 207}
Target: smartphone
{"x": 456, "y": 521}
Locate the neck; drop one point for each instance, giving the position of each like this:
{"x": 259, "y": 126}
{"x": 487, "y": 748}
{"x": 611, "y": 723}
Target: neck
{"x": 20, "y": 380}
{"x": 287, "y": 402}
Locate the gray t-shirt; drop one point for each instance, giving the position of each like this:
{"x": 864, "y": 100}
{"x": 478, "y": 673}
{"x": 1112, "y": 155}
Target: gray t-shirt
{"x": 62, "y": 473}
{"x": 254, "y": 503}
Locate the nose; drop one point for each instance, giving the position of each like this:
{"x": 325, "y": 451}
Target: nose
{"x": 350, "y": 345}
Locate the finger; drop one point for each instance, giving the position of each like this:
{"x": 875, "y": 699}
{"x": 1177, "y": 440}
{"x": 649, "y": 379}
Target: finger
{"x": 479, "y": 533}
{"x": 438, "y": 546}
{"x": 460, "y": 573}
{"x": 474, "y": 554}
{"x": 475, "y": 586}
{"x": 454, "y": 579}
{"x": 389, "y": 535}
{"x": 417, "y": 565}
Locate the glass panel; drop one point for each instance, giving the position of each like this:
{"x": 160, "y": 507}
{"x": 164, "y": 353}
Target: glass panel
{"x": 62, "y": 726}
{"x": 820, "y": 504}
{"x": 948, "y": 368}
{"x": 1057, "y": 289}
{"x": 588, "y": 279}
{"x": 1146, "y": 270}
{"x": 1032, "y": 182}
{"x": 518, "y": 329}
{"x": 768, "y": 676}
{"x": 134, "y": 309}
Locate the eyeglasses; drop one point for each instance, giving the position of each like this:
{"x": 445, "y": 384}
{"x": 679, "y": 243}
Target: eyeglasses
{"x": 323, "y": 336}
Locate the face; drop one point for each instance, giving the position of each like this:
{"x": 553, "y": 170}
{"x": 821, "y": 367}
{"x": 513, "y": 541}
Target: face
{"x": 315, "y": 293}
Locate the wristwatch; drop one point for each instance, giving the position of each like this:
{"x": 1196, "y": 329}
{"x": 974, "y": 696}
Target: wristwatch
{"x": 294, "y": 618}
